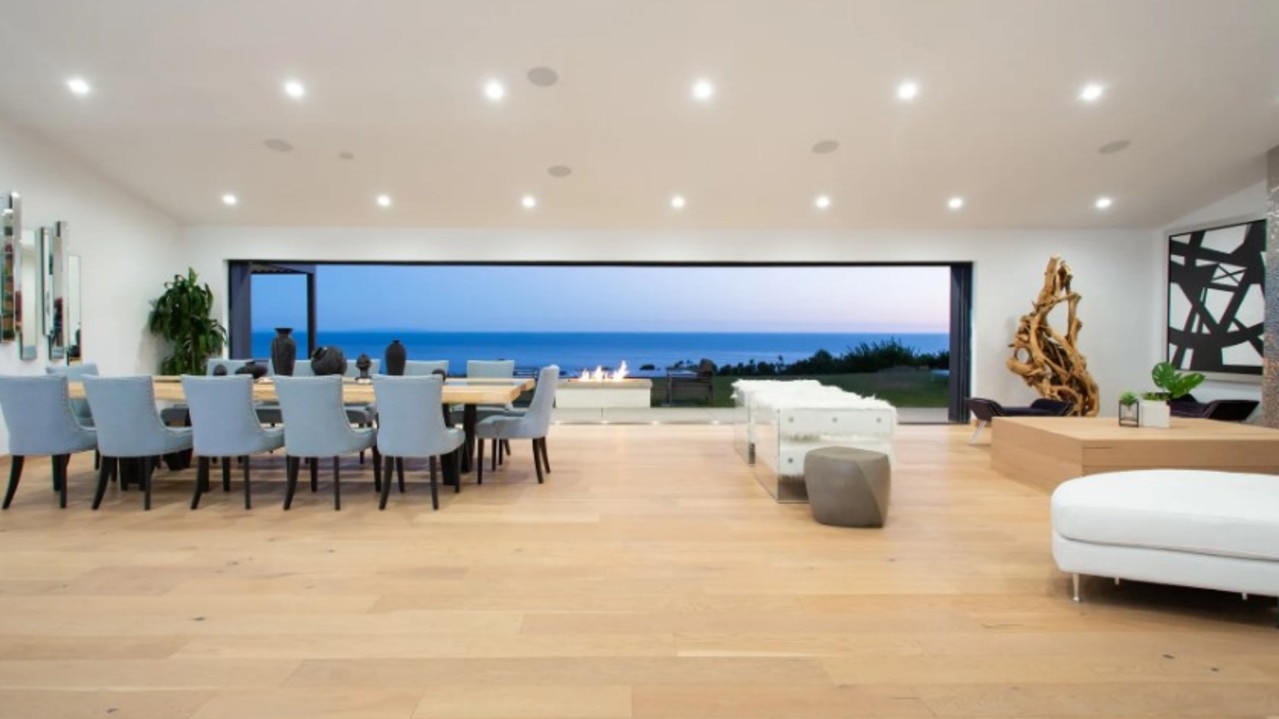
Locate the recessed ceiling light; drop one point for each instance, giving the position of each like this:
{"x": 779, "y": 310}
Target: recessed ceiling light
{"x": 825, "y": 147}
{"x": 1103, "y": 203}
{"x": 821, "y": 202}
{"x": 278, "y": 145}
{"x": 1111, "y": 148}
{"x": 494, "y": 90}
{"x": 1092, "y": 92}
{"x": 229, "y": 199}
{"x": 294, "y": 89}
{"x": 78, "y": 86}
{"x": 543, "y": 76}
{"x": 678, "y": 202}
{"x": 703, "y": 90}
{"x": 955, "y": 203}
{"x": 559, "y": 171}
{"x": 383, "y": 200}
{"x": 908, "y": 90}
{"x": 528, "y": 201}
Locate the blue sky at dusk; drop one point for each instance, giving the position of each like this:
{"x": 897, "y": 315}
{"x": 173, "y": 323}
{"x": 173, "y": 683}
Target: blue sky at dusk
{"x": 506, "y": 298}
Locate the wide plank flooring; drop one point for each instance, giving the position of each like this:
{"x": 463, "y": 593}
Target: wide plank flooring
{"x": 651, "y": 577}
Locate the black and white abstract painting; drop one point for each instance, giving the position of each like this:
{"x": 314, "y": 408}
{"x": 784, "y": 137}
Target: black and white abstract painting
{"x": 1216, "y": 303}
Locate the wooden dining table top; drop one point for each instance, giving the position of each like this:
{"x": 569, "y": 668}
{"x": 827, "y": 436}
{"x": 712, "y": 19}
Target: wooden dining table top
{"x": 168, "y": 388}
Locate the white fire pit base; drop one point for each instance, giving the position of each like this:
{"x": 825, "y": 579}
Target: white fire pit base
{"x": 606, "y": 394}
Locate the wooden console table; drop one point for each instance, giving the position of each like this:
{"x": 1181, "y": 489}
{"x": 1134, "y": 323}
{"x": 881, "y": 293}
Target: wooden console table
{"x": 1045, "y": 451}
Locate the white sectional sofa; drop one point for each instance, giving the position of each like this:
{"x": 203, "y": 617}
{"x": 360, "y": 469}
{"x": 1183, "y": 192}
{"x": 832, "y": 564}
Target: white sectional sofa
{"x": 1197, "y": 528}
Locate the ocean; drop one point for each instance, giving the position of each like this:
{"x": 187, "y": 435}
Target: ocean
{"x": 645, "y": 353}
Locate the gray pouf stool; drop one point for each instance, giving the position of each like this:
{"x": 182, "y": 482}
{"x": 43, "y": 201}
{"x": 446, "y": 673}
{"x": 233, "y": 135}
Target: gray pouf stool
{"x": 848, "y": 487}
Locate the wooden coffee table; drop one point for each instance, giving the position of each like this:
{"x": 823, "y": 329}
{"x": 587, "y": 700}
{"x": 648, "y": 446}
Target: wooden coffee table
{"x": 1045, "y": 451}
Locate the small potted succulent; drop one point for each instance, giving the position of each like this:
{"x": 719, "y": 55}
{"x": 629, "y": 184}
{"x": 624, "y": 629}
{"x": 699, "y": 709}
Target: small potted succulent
{"x": 1128, "y": 410}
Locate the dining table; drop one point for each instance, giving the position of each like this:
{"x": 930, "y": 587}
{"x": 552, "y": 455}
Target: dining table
{"x": 468, "y": 392}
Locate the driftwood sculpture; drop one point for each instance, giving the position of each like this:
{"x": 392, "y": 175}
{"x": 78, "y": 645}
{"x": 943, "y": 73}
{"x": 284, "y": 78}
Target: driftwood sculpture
{"x": 1047, "y": 361}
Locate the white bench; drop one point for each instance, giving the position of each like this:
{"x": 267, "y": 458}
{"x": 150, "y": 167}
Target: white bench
{"x": 1195, "y": 528}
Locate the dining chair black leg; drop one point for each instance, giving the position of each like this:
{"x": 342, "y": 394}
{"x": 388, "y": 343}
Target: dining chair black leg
{"x": 546, "y": 461}
{"x": 60, "y": 463}
{"x": 378, "y": 479}
{"x": 248, "y": 503}
{"x": 291, "y": 467}
{"x": 315, "y": 473}
{"x": 399, "y": 473}
{"x": 537, "y": 461}
{"x": 226, "y": 474}
{"x": 497, "y": 452}
{"x": 337, "y": 484}
{"x": 430, "y": 465}
{"x": 147, "y": 467}
{"x": 53, "y": 474}
{"x": 479, "y": 462}
{"x": 15, "y": 474}
{"x": 201, "y": 479}
{"x": 453, "y": 468}
{"x": 385, "y": 490}
{"x": 435, "y": 487}
{"x": 104, "y": 474}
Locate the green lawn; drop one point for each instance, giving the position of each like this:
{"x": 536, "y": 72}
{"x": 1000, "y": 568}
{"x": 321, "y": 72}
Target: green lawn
{"x": 900, "y": 387}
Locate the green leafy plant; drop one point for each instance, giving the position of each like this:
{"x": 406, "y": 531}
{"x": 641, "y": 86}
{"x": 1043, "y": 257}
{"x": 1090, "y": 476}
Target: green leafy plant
{"x": 182, "y": 315}
{"x": 1128, "y": 399}
{"x": 1172, "y": 384}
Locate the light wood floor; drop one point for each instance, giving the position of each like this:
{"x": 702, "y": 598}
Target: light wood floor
{"x": 650, "y": 577}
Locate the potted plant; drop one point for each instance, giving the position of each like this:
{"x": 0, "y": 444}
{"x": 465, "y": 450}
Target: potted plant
{"x": 182, "y": 316}
{"x": 1128, "y": 413}
{"x": 1172, "y": 384}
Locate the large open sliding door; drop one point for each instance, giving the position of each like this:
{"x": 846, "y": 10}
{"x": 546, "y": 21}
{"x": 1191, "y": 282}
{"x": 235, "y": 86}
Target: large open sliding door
{"x": 298, "y": 281}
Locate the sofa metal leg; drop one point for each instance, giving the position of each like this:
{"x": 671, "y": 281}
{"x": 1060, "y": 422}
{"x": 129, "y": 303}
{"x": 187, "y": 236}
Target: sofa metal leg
{"x": 1074, "y": 581}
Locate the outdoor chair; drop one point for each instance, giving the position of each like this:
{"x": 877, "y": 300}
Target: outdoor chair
{"x": 42, "y": 422}
{"x": 698, "y": 385}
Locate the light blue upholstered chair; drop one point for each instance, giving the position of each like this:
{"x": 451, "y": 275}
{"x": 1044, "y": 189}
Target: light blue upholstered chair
{"x": 41, "y": 422}
{"x": 490, "y": 368}
{"x": 225, "y": 425}
{"x": 79, "y": 405}
{"x": 410, "y": 424}
{"x": 533, "y": 424}
{"x": 315, "y": 425}
{"x": 129, "y": 427}
{"x": 415, "y": 368}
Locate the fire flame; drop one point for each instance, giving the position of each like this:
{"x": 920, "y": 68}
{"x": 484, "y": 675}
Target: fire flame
{"x": 599, "y": 375}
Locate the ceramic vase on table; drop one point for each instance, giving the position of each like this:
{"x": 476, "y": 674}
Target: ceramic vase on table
{"x": 328, "y": 360}
{"x": 363, "y": 363}
{"x": 284, "y": 351}
{"x": 396, "y": 356}
{"x": 1154, "y": 413}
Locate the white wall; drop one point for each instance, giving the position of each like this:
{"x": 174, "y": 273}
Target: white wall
{"x": 1118, "y": 273}
{"x": 1249, "y": 203}
{"x": 128, "y": 250}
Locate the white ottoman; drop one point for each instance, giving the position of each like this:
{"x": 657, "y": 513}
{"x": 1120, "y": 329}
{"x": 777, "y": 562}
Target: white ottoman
{"x": 1196, "y": 528}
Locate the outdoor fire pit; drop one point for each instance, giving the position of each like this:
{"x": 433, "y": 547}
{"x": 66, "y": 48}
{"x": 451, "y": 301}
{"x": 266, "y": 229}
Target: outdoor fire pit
{"x": 600, "y": 389}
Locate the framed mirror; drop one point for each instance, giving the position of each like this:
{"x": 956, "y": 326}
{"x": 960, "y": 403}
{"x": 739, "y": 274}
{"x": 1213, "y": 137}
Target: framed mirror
{"x": 72, "y": 309}
{"x": 53, "y": 281}
{"x": 8, "y": 262}
{"x": 26, "y": 318}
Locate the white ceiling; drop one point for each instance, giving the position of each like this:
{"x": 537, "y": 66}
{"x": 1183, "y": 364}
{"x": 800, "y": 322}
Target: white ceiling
{"x": 185, "y": 93}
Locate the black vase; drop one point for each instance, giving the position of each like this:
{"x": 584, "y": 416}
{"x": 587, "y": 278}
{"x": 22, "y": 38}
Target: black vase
{"x": 363, "y": 363}
{"x": 284, "y": 351}
{"x": 396, "y": 355}
{"x": 328, "y": 360}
